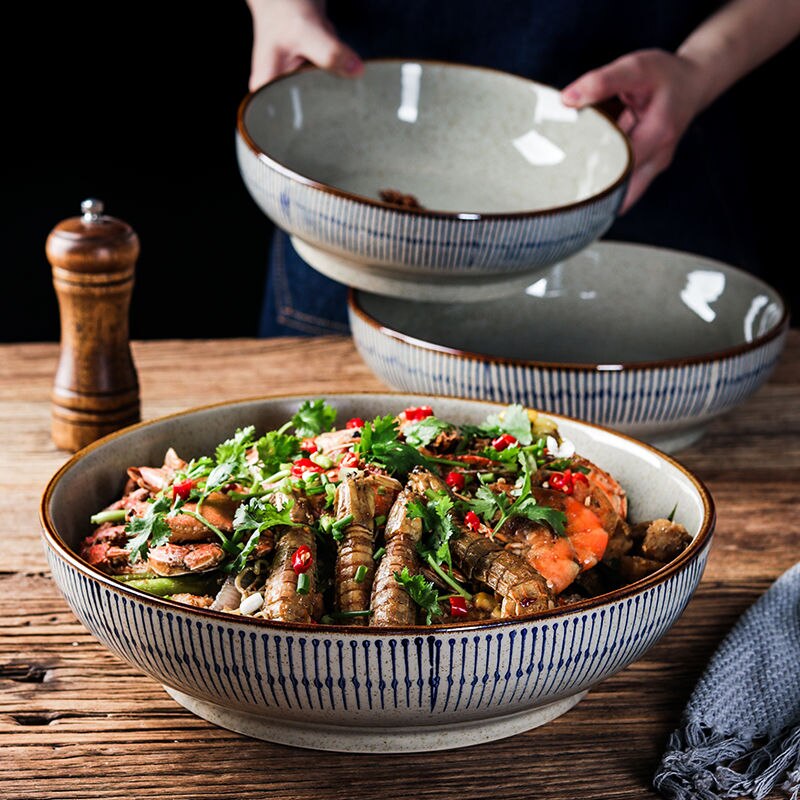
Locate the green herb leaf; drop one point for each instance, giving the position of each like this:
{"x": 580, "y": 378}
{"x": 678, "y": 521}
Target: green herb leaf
{"x": 149, "y": 530}
{"x": 422, "y": 592}
{"x": 379, "y": 445}
{"x": 233, "y": 450}
{"x": 424, "y": 431}
{"x": 275, "y": 449}
{"x": 513, "y": 420}
{"x": 313, "y": 417}
{"x": 437, "y": 524}
{"x": 526, "y": 506}
{"x": 259, "y": 514}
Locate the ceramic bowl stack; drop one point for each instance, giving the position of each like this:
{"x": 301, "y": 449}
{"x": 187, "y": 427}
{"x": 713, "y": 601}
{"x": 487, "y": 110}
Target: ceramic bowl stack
{"x": 521, "y": 302}
{"x": 508, "y": 178}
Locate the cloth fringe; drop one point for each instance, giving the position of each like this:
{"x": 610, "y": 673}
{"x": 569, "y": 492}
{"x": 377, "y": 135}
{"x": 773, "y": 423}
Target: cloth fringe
{"x": 700, "y": 764}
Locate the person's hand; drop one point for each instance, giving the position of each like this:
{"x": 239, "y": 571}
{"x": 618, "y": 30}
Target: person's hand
{"x": 287, "y": 33}
{"x": 662, "y": 94}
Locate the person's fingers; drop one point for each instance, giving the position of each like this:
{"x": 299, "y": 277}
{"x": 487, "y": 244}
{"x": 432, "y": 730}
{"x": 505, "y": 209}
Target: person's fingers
{"x": 599, "y": 84}
{"x": 641, "y": 178}
{"x": 322, "y": 47}
{"x": 627, "y": 120}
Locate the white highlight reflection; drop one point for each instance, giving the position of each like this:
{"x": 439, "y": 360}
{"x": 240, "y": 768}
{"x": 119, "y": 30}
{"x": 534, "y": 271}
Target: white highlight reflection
{"x": 549, "y": 106}
{"x": 756, "y": 304}
{"x": 410, "y": 76}
{"x": 297, "y": 108}
{"x": 539, "y": 150}
{"x": 703, "y": 286}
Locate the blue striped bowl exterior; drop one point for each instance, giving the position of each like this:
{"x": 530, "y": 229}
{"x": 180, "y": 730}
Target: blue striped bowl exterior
{"x": 423, "y": 243}
{"x": 656, "y": 403}
{"x": 408, "y": 679}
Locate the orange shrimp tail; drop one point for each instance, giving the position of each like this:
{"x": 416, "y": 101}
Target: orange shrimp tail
{"x": 555, "y": 561}
{"x": 585, "y": 533}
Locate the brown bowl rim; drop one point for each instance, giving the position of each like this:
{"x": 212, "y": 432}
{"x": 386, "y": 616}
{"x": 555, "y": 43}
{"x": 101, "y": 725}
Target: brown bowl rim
{"x": 64, "y": 552}
{"x": 463, "y": 216}
{"x": 776, "y": 330}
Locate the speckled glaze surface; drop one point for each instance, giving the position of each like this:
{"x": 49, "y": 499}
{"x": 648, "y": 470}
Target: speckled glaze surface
{"x": 509, "y": 178}
{"x": 371, "y": 690}
{"x": 652, "y": 342}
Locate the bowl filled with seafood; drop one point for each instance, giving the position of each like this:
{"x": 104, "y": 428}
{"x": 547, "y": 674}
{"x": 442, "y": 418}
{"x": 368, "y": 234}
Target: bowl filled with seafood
{"x": 428, "y": 168}
{"x": 655, "y": 343}
{"x": 375, "y": 572}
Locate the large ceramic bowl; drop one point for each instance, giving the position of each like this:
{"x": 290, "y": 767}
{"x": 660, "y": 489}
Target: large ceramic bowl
{"x": 362, "y": 689}
{"x": 510, "y": 179}
{"x": 652, "y": 342}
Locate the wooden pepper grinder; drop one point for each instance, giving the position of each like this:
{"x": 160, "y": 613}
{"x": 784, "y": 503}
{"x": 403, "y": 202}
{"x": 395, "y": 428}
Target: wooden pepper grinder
{"x": 96, "y": 388}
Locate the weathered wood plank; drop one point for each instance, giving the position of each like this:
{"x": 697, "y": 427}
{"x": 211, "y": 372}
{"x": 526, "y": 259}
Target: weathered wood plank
{"x": 77, "y": 722}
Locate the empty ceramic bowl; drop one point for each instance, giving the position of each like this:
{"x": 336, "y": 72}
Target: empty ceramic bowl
{"x": 428, "y": 167}
{"x": 652, "y": 342}
{"x": 369, "y": 689}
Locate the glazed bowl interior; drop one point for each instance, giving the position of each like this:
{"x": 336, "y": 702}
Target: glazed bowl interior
{"x": 611, "y": 304}
{"x": 95, "y": 477}
{"x": 460, "y": 139}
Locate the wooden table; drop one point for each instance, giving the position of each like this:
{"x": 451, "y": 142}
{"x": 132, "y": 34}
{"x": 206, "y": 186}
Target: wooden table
{"x": 76, "y": 722}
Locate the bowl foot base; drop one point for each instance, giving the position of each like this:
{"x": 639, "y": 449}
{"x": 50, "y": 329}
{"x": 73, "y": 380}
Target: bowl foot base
{"x": 675, "y": 441}
{"x": 369, "y": 739}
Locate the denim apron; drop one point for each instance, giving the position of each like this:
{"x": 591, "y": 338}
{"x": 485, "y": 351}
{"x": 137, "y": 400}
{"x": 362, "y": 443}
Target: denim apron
{"x": 700, "y": 204}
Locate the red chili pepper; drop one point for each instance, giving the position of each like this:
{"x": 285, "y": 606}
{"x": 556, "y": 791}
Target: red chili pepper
{"x": 309, "y": 445}
{"x": 349, "y": 460}
{"x": 472, "y": 521}
{"x": 501, "y": 442}
{"x": 420, "y": 412}
{"x": 580, "y": 477}
{"x": 305, "y": 465}
{"x": 455, "y": 480}
{"x": 183, "y": 489}
{"x": 302, "y": 559}
{"x": 354, "y": 422}
{"x": 564, "y": 481}
{"x": 458, "y": 607}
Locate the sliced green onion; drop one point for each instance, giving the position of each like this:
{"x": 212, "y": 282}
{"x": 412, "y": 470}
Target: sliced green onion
{"x": 303, "y": 583}
{"x": 334, "y": 615}
{"x": 278, "y": 476}
{"x": 486, "y": 477}
{"x": 381, "y": 520}
{"x": 447, "y": 578}
{"x": 379, "y": 554}
{"x": 322, "y": 460}
{"x": 361, "y": 573}
{"x": 113, "y": 515}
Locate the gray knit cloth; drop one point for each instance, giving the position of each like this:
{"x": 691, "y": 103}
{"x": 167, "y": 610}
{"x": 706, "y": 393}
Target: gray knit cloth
{"x": 740, "y": 734}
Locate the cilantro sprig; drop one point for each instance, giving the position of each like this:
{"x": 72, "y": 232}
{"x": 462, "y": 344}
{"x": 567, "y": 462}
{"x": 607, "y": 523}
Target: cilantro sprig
{"x": 379, "y": 445}
{"x": 275, "y": 448}
{"x": 422, "y": 592}
{"x": 438, "y": 529}
{"x": 488, "y": 504}
{"x": 149, "y": 530}
{"x": 313, "y": 417}
{"x": 513, "y": 420}
{"x": 422, "y": 432}
{"x": 254, "y": 516}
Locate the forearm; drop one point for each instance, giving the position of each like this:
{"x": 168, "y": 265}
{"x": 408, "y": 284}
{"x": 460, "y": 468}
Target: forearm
{"x": 736, "y": 39}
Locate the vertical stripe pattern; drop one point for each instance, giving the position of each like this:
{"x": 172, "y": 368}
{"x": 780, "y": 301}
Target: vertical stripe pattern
{"x": 643, "y": 401}
{"x": 381, "y": 235}
{"x": 362, "y": 676}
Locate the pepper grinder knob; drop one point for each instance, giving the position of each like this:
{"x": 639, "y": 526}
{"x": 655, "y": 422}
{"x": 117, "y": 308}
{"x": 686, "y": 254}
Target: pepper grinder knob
{"x": 96, "y": 389}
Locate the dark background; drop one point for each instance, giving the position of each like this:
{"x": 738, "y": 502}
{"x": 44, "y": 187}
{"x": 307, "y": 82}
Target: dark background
{"x": 138, "y": 108}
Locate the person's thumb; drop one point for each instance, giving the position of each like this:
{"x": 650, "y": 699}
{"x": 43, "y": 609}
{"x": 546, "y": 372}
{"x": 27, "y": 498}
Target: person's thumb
{"x": 602, "y": 83}
{"x": 326, "y": 50}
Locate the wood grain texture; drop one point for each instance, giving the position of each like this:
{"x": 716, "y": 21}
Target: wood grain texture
{"x": 76, "y": 722}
